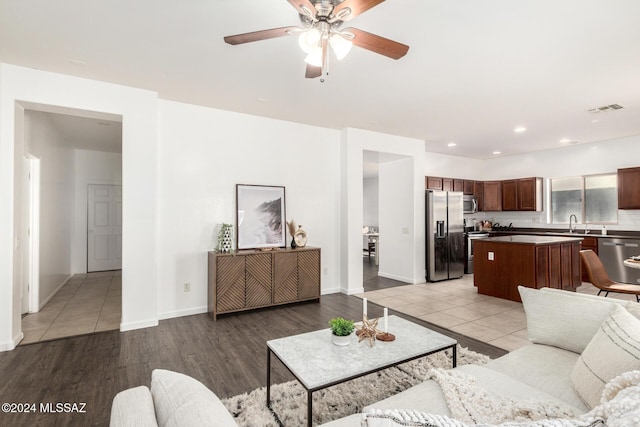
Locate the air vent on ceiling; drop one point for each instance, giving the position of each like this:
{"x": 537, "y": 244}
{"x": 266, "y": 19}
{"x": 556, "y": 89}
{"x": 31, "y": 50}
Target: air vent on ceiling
{"x": 611, "y": 107}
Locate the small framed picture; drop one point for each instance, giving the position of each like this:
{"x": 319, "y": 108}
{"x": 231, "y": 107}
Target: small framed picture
{"x": 260, "y": 216}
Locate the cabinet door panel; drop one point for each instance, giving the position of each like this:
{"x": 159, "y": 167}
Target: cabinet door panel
{"x": 492, "y": 196}
{"x": 509, "y": 195}
{"x": 468, "y": 187}
{"x": 432, "y": 183}
{"x": 629, "y": 188}
{"x": 309, "y": 274}
{"x": 458, "y": 185}
{"x": 447, "y": 184}
{"x": 230, "y": 283}
{"x": 258, "y": 279}
{"x": 527, "y": 194}
{"x": 285, "y": 280}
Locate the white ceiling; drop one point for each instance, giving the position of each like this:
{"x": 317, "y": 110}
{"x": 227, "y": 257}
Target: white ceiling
{"x": 88, "y": 133}
{"x": 476, "y": 69}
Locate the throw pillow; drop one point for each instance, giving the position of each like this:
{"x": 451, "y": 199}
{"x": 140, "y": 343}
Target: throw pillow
{"x": 614, "y": 349}
{"x": 184, "y": 401}
{"x": 563, "y": 319}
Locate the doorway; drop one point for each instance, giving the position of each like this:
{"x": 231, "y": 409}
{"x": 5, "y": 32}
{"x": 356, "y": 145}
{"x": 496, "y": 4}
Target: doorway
{"x": 76, "y": 154}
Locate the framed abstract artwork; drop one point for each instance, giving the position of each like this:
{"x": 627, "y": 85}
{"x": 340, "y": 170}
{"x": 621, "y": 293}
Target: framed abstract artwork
{"x": 260, "y": 216}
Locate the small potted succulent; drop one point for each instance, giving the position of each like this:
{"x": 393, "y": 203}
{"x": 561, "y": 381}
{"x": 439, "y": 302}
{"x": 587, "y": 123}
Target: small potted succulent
{"x": 341, "y": 330}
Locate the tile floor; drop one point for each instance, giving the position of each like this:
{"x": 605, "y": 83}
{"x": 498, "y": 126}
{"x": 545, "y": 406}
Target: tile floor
{"x": 87, "y": 303}
{"x": 456, "y": 305}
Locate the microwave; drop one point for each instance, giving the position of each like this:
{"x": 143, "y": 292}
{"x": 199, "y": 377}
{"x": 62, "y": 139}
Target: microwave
{"x": 469, "y": 204}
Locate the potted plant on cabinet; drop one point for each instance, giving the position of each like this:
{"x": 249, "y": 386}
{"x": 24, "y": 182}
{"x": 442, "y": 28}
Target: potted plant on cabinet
{"x": 341, "y": 330}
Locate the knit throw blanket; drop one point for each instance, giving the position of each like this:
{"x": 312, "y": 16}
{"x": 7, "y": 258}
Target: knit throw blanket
{"x": 473, "y": 406}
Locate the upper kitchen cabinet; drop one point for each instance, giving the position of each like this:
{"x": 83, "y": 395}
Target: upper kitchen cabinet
{"x": 432, "y": 183}
{"x": 529, "y": 194}
{"x": 458, "y": 185}
{"x": 478, "y": 192}
{"x": 468, "y": 187}
{"x": 629, "y": 188}
{"x": 492, "y": 196}
{"x": 447, "y": 184}
{"x": 524, "y": 194}
{"x": 510, "y": 195}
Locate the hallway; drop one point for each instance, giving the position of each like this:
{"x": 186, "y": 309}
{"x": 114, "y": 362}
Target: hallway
{"x": 87, "y": 303}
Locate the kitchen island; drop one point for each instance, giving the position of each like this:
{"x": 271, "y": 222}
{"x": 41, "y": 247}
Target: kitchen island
{"x": 502, "y": 263}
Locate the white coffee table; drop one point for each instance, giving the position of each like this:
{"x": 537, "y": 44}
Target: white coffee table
{"x": 317, "y": 363}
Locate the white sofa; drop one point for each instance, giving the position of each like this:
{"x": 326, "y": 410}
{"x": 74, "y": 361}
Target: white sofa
{"x": 562, "y": 328}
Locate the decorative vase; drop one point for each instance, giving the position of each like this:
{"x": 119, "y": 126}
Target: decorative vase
{"x": 225, "y": 243}
{"x": 344, "y": 340}
{"x": 293, "y": 243}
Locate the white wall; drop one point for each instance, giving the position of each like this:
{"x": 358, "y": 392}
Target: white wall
{"x": 353, "y": 144}
{"x": 40, "y": 90}
{"x": 203, "y": 154}
{"x": 57, "y": 199}
{"x": 92, "y": 167}
{"x": 450, "y": 166}
{"x": 396, "y": 221}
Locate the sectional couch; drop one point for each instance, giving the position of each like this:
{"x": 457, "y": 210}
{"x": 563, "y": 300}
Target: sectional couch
{"x": 569, "y": 360}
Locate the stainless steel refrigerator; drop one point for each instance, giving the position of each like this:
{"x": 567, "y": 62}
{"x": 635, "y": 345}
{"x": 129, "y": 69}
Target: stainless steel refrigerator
{"x": 445, "y": 235}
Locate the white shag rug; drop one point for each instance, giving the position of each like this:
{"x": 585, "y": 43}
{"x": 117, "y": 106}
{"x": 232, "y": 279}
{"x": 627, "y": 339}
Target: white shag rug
{"x": 290, "y": 399}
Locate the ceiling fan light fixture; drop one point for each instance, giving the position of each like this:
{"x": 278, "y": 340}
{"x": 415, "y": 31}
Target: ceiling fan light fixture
{"x": 309, "y": 40}
{"x": 314, "y": 57}
{"x": 340, "y": 45}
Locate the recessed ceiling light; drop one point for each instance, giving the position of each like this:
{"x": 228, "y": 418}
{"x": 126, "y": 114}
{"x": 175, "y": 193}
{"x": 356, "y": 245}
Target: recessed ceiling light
{"x": 520, "y": 129}
{"x": 497, "y": 152}
{"x": 451, "y": 144}
{"x": 565, "y": 140}
{"x": 77, "y": 62}
{"x": 263, "y": 99}
{"x": 595, "y": 120}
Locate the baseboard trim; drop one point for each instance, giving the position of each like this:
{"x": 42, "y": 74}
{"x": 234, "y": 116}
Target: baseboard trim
{"x": 130, "y": 326}
{"x": 11, "y": 345}
{"x": 182, "y": 313}
{"x": 359, "y": 290}
{"x": 53, "y": 294}
{"x": 398, "y": 278}
{"x": 335, "y": 290}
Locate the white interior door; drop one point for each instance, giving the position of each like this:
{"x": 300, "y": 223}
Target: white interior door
{"x": 104, "y": 228}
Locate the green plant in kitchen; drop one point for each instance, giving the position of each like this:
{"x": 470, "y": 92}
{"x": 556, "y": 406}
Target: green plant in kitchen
{"x": 341, "y": 327}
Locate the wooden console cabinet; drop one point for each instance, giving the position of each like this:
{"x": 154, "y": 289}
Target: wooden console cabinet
{"x": 254, "y": 279}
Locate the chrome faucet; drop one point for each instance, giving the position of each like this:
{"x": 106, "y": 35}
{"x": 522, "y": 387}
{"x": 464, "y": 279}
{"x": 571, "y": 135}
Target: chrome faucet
{"x": 572, "y": 227}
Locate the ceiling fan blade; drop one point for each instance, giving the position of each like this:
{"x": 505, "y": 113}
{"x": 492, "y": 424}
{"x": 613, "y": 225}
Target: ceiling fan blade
{"x": 304, "y": 7}
{"x": 352, "y": 8}
{"x": 313, "y": 72}
{"x": 261, "y": 35}
{"x": 377, "y": 44}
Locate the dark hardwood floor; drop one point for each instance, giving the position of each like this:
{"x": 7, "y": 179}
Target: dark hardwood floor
{"x": 370, "y": 279}
{"x": 228, "y": 356}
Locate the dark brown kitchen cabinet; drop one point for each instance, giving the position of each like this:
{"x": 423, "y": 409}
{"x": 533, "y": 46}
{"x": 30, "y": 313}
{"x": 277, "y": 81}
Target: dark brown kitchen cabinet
{"x": 478, "y": 192}
{"x": 510, "y": 195}
{"x": 458, "y": 185}
{"x": 524, "y": 194}
{"x": 432, "y": 183}
{"x": 447, "y": 184}
{"x": 629, "y": 188}
{"x": 529, "y": 194}
{"x": 492, "y": 196}
{"x": 468, "y": 187}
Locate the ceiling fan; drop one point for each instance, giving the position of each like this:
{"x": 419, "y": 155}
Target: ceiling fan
{"x": 321, "y": 22}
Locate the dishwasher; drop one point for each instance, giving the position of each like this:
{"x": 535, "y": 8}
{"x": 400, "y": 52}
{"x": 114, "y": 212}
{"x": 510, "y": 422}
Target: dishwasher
{"x": 613, "y": 252}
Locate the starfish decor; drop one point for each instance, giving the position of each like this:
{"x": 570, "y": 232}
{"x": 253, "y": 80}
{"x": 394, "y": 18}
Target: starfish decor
{"x": 368, "y": 330}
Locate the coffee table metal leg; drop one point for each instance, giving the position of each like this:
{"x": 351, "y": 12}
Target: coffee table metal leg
{"x": 268, "y": 378}
{"x": 455, "y": 355}
{"x": 309, "y": 408}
